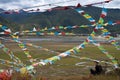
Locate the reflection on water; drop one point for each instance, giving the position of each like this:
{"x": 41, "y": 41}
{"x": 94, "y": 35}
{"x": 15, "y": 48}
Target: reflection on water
{"x": 60, "y": 39}
{"x": 66, "y": 39}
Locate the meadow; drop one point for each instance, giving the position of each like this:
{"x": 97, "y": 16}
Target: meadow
{"x": 66, "y": 68}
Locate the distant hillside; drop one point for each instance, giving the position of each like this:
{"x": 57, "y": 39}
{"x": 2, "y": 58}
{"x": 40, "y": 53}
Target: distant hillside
{"x": 60, "y": 17}
{"x": 9, "y": 23}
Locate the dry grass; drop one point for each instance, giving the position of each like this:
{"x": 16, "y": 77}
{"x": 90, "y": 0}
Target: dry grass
{"x": 64, "y": 69}
{"x": 80, "y": 77}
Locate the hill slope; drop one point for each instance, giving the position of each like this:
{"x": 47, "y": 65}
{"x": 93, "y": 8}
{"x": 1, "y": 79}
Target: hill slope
{"x": 60, "y": 17}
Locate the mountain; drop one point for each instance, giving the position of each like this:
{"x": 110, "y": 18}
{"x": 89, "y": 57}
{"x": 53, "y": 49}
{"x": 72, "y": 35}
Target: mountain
{"x": 60, "y": 17}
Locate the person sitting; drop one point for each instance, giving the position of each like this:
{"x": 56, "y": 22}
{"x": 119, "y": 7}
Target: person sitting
{"x": 98, "y": 69}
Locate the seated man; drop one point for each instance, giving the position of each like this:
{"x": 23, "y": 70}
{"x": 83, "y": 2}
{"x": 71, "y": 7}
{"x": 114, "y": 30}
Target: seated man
{"x": 98, "y": 69}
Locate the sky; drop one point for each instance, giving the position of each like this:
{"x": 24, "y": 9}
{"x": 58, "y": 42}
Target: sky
{"x": 19, "y": 4}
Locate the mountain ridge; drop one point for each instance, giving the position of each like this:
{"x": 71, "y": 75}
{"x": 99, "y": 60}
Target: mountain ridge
{"x": 59, "y": 17}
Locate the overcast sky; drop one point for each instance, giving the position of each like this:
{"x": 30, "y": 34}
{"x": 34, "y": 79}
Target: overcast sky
{"x": 18, "y": 4}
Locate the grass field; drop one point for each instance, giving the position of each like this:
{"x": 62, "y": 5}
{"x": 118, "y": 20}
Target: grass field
{"x": 65, "y": 69}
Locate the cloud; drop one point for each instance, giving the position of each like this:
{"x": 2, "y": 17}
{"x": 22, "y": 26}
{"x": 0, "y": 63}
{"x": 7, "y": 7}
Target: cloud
{"x": 6, "y": 1}
{"x": 114, "y": 4}
{"x": 18, "y": 4}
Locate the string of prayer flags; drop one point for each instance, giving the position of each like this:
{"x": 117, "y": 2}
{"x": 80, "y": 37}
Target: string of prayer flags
{"x": 87, "y": 16}
{"x": 23, "y": 47}
{"x": 10, "y": 53}
{"x": 29, "y": 10}
{"x": 98, "y": 26}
